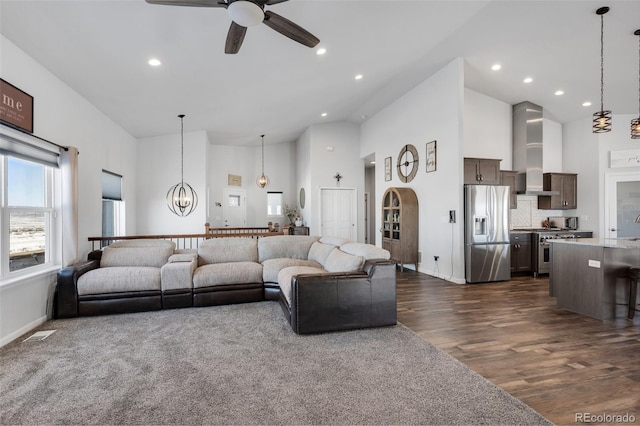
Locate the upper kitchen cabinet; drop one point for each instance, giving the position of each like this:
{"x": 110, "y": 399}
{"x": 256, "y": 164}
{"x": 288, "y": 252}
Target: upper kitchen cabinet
{"x": 481, "y": 171}
{"x": 566, "y": 184}
{"x": 508, "y": 178}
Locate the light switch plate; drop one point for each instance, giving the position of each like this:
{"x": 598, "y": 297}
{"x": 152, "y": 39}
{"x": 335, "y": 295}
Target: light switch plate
{"x": 594, "y": 263}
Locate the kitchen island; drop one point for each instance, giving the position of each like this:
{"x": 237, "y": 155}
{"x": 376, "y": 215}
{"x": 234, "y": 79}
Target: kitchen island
{"x": 589, "y": 276}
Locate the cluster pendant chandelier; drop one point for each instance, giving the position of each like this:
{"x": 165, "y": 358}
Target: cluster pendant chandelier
{"x": 602, "y": 118}
{"x": 263, "y": 180}
{"x": 635, "y": 123}
{"x": 181, "y": 197}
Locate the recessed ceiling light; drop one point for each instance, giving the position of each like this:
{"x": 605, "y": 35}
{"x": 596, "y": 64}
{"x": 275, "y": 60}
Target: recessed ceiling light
{"x": 358, "y": 77}
{"x": 321, "y": 51}
{"x": 324, "y": 114}
{"x": 559, "y": 93}
{"x": 372, "y": 162}
{"x": 496, "y": 67}
{"x": 586, "y": 104}
{"x": 154, "y": 62}
{"x": 528, "y": 80}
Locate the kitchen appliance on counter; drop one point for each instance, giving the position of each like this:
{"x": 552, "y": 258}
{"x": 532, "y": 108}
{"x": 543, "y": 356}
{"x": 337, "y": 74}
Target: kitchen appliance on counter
{"x": 563, "y": 222}
{"x": 541, "y": 252}
{"x": 487, "y": 248}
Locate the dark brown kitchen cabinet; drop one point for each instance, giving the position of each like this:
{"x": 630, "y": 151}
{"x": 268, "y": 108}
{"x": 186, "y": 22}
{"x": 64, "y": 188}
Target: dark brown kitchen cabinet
{"x": 481, "y": 171}
{"x": 400, "y": 225}
{"x": 566, "y": 184}
{"x": 520, "y": 252}
{"x": 508, "y": 178}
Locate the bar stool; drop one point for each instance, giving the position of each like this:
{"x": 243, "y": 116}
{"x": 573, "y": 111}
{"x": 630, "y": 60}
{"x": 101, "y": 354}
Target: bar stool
{"x": 634, "y": 280}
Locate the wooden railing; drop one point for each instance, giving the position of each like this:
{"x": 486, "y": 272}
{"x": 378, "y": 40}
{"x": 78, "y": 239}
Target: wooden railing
{"x": 190, "y": 241}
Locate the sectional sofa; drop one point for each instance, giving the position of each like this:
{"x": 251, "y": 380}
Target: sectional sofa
{"x": 322, "y": 284}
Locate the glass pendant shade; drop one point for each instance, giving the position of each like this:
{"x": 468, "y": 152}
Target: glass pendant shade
{"x": 635, "y": 123}
{"x": 263, "y": 180}
{"x": 182, "y": 199}
{"x": 602, "y": 119}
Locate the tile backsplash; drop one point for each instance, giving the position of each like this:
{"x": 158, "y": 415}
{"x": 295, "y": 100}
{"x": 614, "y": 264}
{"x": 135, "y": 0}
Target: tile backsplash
{"x": 527, "y": 214}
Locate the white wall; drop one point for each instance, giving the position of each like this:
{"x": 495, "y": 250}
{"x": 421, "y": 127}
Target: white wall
{"x": 323, "y": 164}
{"x": 279, "y": 167}
{"x": 431, "y": 111}
{"x": 488, "y": 127}
{"x": 303, "y": 168}
{"x": 158, "y": 170}
{"x": 588, "y": 154}
{"x": 63, "y": 116}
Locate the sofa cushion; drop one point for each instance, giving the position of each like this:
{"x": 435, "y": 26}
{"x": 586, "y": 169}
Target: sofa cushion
{"x": 223, "y": 250}
{"x": 271, "y": 267}
{"x": 119, "y": 279}
{"x": 339, "y": 261}
{"x": 227, "y": 273}
{"x": 285, "y": 275}
{"x": 336, "y": 241}
{"x": 151, "y": 253}
{"x": 320, "y": 251}
{"x": 368, "y": 251}
{"x": 291, "y": 246}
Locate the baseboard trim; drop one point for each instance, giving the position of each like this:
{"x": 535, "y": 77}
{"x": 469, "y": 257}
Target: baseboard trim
{"x": 11, "y": 337}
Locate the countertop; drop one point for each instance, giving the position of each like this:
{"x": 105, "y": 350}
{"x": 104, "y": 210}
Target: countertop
{"x": 627, "y": 243}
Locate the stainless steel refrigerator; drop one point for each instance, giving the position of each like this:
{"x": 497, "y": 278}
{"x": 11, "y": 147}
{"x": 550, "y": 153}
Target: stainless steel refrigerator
{"x": 486, "y": 233}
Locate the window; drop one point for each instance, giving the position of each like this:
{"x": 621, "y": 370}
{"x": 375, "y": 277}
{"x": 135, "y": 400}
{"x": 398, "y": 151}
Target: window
{"x": 112, "y": 206}
{"x": 30, "y": 240}
{"x": 27, "y": 209}
{"x": 274, "y": 204}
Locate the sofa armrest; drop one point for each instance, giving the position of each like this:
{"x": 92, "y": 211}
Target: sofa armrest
{"x": 177, "y": 273}
{"x": 344, "y": 301}
{"x": 67, "y": 287}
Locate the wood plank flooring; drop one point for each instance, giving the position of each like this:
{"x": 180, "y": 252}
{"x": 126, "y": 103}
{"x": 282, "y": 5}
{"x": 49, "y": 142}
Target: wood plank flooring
{"x": 557, "y": 362}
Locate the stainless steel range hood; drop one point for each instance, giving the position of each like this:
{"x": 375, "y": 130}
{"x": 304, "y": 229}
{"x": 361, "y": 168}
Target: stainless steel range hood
{"x": 527, "y": 149}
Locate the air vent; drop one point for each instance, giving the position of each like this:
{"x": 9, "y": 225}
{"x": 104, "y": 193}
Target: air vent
{"x": 39, "y": 336}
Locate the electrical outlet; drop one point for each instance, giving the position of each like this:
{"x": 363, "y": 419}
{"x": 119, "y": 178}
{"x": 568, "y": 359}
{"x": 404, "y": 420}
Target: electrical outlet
{"x": 436, "y": 258}
{"x": 419, "y": 257}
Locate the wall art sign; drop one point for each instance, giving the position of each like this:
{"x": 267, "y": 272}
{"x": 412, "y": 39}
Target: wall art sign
{"x": 387, "y": 169}
{"x": 16, "y": 107}
{"x": 626, "y": 158}
{"x": 234, "y": 180}
{"x": 431, "y": 156}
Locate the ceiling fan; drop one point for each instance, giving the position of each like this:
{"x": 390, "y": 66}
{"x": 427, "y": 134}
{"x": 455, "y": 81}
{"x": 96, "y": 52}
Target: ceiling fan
{"x": 247, "y": 13}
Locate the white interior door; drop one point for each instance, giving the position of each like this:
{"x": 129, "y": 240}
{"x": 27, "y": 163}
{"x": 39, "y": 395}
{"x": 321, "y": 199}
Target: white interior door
{"x": 338, "y": 213}
{"x": 234, "y": 208}
{"x": 622, "y": 205}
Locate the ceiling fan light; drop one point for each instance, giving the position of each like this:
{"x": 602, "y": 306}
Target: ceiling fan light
{"x": 245, "y": 13}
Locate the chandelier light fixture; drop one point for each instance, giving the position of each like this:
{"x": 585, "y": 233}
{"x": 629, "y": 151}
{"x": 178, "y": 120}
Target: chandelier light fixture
{"x": 635, "y": 123}
{"x": 602, "y": 118}
{"x": 181, "y": 197}
{"x": 263, "y": 180}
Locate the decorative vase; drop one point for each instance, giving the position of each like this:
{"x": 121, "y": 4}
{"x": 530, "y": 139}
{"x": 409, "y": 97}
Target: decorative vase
{"x": 298, "y": 222}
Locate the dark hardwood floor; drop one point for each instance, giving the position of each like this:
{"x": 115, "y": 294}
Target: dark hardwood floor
{"x": 557, "y": 362}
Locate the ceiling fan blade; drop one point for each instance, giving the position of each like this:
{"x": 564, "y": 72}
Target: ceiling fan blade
{"x": 270, "y": 2}
{"x": 290, "y": 29}
{"x": 195, "y": 3}
{"x": 235, "y": 37}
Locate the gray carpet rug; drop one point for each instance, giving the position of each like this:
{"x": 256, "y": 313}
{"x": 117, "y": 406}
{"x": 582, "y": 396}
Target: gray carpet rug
{"x": 240, "y": 364}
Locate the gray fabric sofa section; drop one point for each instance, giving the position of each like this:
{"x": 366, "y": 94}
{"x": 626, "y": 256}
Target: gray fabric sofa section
{"x": 128, "y": 266}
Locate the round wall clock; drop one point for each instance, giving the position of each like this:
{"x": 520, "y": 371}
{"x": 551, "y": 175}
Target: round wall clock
{"x": 407, "y": 163}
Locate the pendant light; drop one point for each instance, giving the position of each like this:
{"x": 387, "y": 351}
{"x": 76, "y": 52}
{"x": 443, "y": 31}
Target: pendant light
{"x": 602, "y": 118}
{"x": 263, "y": 180}
{"x": 181, "y": 197}
{"x": 635, "y": 123}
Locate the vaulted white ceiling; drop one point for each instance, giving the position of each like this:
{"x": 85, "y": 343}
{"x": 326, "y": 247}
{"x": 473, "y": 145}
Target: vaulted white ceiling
{"x": 277, "y": 87}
